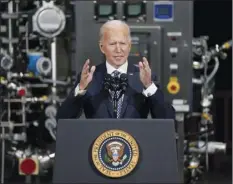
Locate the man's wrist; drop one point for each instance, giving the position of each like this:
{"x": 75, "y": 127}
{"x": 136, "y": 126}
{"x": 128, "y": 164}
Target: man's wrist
{"x": 151, "y": 90}
{"x": 79, "y": 91}
{"x": 147, "y": 85}
{"x": 81, "y": 87}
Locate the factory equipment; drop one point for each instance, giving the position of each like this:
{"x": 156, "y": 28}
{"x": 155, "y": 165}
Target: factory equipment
{"x": 206, "y": 62}
{"x": 49, "y": 20}
{"x": 30, "y": 89}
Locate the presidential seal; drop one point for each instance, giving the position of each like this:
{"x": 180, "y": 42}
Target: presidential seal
{"x": 115, "y": 153}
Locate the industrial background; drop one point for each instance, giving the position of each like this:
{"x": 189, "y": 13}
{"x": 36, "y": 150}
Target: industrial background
{"x": 44, "y": 44}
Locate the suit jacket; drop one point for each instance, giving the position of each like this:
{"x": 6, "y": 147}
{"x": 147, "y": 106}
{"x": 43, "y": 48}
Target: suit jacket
{"x": 96, "y": 104}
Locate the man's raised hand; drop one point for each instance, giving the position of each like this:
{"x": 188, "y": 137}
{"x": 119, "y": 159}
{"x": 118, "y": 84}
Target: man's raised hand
{"x": 145, "y": 73}
{"x": 86, "y": 75}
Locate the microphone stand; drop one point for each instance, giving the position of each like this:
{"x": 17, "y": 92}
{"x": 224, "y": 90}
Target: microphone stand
{"x": 115, "y": 104}
{"x": 115, "y": 101}
{"x": 111, "y": 85}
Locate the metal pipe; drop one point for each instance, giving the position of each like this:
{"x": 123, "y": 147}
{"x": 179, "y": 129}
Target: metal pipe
{"x": 54, "y": 69}
{"x": 27, "y": 37}
{"x": 41, "y": 99}
{"x": 10, "y": 10}
{"x": 3, "y": 156}
{"x": 11, "y": 124}
{"x": 24, "y": 115}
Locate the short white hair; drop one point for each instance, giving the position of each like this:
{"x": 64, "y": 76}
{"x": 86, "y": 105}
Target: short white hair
{"x": 113, "y": 23}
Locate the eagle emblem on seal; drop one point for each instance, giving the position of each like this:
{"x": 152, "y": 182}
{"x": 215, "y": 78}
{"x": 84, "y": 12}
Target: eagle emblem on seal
{"x": 115, "y": 153}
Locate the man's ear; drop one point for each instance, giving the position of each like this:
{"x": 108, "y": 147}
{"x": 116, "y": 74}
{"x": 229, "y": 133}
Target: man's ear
{"x": 130, "y": 46}
{"x": 101, "y": 47}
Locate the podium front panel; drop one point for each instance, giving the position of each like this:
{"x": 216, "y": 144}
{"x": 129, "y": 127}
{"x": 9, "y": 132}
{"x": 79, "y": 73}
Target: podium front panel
{"x": 157, "y": 151}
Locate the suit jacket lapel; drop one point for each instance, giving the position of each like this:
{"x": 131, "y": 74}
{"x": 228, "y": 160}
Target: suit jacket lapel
{"x": 109, "y": 103}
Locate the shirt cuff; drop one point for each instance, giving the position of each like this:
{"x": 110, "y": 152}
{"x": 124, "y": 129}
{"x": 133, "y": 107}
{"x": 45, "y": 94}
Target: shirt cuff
{"x": 151, "y": 90}
{"x": 77, "y": 91}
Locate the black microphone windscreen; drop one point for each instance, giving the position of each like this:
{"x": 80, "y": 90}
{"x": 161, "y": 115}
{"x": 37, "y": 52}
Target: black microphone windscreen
{"x": 123, "y": 77}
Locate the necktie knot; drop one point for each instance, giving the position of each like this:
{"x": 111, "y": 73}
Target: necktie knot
{"x": 115, "y": 73}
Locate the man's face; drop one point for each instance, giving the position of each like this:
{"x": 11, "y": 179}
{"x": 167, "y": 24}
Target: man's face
{"x": 116, "y": 45}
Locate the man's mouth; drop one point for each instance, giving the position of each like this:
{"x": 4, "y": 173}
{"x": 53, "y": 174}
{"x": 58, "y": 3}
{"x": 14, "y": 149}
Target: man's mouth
{"x": 118, "y": 57}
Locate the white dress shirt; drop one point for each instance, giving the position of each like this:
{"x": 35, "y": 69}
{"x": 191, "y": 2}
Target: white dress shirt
{"x": 122, "y": 69}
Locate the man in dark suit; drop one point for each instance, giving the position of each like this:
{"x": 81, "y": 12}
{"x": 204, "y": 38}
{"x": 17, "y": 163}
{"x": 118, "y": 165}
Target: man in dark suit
{"x": 141, "y": 96}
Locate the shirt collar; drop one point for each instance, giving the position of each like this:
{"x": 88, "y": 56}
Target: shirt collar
{"x": 123, "y": 68}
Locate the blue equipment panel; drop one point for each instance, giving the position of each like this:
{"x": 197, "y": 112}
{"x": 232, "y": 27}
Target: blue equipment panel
{"x": 163, "y": 11}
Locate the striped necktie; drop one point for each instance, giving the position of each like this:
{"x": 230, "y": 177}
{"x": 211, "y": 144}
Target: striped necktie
{"x": 118, "y": 92}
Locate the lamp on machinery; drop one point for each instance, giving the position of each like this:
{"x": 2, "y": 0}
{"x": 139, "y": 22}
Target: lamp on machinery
{"x": 49, "y": 20}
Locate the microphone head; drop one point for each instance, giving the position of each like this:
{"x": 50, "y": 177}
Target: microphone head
{"x": 123, "y": 77}
{"x": 107, "y": 77}
{"x": 123, "y": 81}
{"x": 107, "y": 82}
{"x": 115, "y": 83}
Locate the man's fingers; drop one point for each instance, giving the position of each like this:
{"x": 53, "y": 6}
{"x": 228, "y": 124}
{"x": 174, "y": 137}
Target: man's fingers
{"x": 145, "y": 63}
{"x": 86, "y": 67}
{"x": 145, "y": 60}
{"x": 92, "y": 70}
{"x": 141, "y": 67}
{"x": 140, "y": 64}
{"x": 85, "y": 71}
{"x": 87, "y": 62}
{"x": 90, "y": 74}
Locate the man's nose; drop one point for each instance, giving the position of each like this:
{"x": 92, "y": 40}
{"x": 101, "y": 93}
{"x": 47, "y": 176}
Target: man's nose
{"x": 118, "y": 47}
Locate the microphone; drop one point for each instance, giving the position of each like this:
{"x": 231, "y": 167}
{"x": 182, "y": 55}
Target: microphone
{"x": 115, "y": 83}
{"x": 107, "y": 82}
{"x": 123, "y": 82}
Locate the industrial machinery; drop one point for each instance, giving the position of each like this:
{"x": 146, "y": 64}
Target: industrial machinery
{"x": 30, "y": 89}
{"x": 200, "y": 144}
